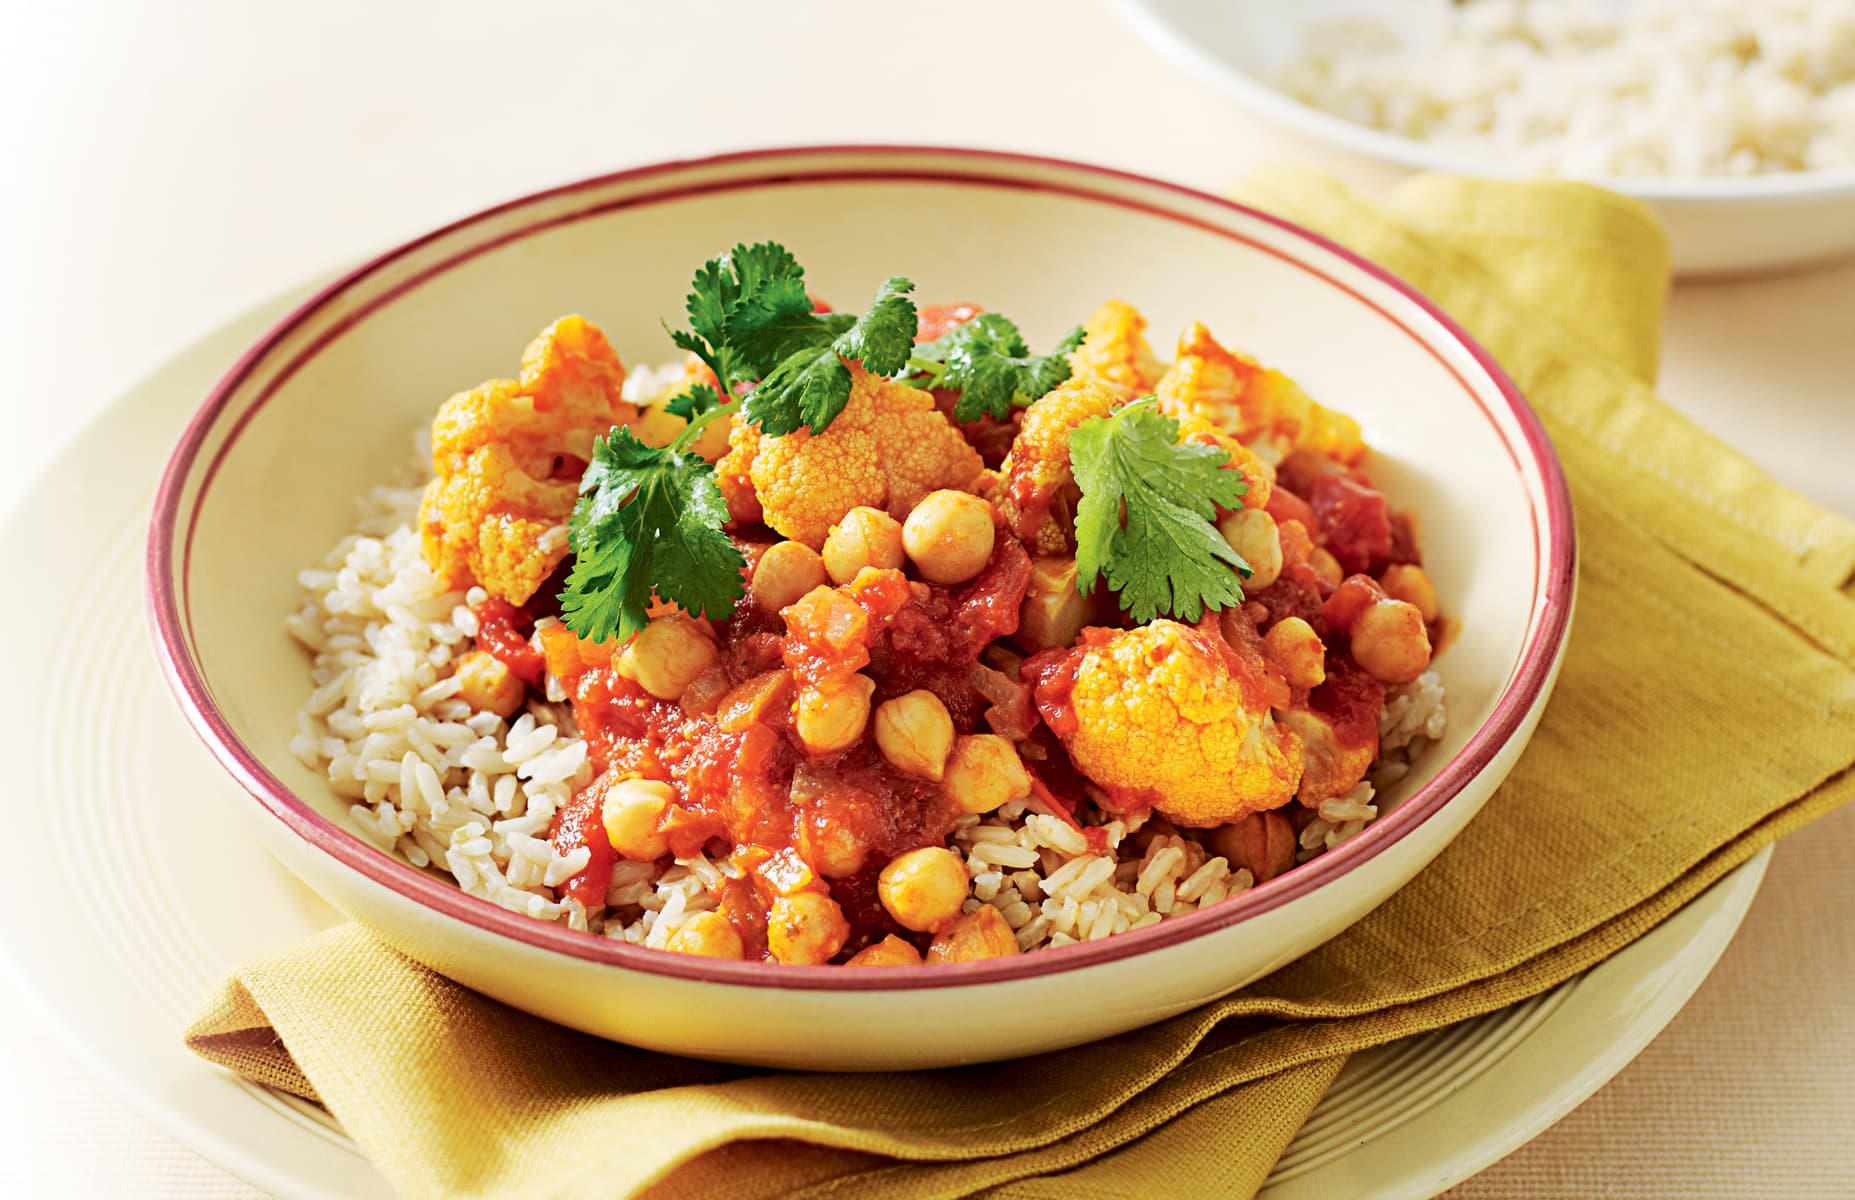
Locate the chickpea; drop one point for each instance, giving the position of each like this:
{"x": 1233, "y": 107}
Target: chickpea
{"x": 658, "y": 426}
{"x": 1263, "y": 843}
{"x": 832, "y": 848}
{"x": 1411, "y": 583}
{"x": 979, "y": 934}
{"x": 949, "y": 536}
{"x": 1297, "y": 651}
{"x": 786, "y": 571}
{"x": 892, "y": 951}
{"x": 1326, "y": 566}
{"x": 923, "y": 889}
{"x": 833, "y": 719}
{"x": 807, "y": 927}
{"x": 709, "y": 935}
{"x": 983, "y": 772}
{"x": 1251, "y": 532}
{"x": 1053, "y": 612}
{"x": 1390, "y": 642}
{"x": 915, "y": 733}
{"x": 631, "y": 811}
{"x": 487, "y": 684}
{"x": 666, "y": 656}
{"x": 863, "y": 537}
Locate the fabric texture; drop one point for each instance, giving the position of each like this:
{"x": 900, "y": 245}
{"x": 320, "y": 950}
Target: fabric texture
{"x": 1704, "y": 708}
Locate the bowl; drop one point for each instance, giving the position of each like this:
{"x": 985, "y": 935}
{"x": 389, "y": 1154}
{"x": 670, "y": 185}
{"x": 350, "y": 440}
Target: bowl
{"x": 1716, "y": 226}
{"x": 323, "y": 407}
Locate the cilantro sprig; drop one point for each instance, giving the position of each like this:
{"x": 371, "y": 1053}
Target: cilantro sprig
{"x": 988, "y": 361}
{"x": 805, "y": 381}
{"x": 648, "y": 519}
{"x": 763, "y": 275}
{"x": 1144, "y": 523}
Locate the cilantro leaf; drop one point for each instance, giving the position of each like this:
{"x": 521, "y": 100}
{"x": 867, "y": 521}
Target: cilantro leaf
{"x": 777, "y": 323}
{"x": 1145, "y": 519}
{"x": 988, "y": 360}
{"x": 762, "y": 263}
{"x": 810, "y": 383}
{"x": 722, "y": 287}
{"x": 647, "y": 519}
{"x": 810, "y": 388}
{"x": 884, "y": 337}
{"x": 693, "y": 401}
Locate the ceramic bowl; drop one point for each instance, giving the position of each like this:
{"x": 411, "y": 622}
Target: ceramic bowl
{"x": 264, "y": 479}
{"x": 1716, "y": 227}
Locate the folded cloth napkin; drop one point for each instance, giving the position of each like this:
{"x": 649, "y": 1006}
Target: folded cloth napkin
{"x": 1706, "y": 706}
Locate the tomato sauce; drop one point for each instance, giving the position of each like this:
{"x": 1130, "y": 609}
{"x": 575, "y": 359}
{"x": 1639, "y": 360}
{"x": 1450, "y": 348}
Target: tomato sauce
{"x": 1355, "y": 522}
{"x": 578, "y": 824}
{"x": 1349, "y": 701}
{"x": 1230, "y": 635}
{"x": 501, "y": 634}
{"x": 1051, "y": 675}
{"x": 1355, "y": 594}
{"x": 1285, "y": 506}
{"x": 933, "y": 321}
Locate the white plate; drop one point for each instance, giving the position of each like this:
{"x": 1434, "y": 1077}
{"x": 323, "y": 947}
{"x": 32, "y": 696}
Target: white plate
{"x": 141, "y": 891}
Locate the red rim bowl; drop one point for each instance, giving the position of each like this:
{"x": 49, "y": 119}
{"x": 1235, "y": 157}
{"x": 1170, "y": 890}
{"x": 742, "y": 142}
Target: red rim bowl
{"x": 172, "y": 526}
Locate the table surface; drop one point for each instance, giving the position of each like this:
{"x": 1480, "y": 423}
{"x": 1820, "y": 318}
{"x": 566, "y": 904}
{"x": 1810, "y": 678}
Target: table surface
{"x": 173, "y": 164}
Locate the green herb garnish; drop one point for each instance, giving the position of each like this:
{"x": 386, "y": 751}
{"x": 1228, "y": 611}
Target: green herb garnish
{"x": 648, "y": 518}
{"x": 806, "y": 381}
{"x": 992, "y": 366}
{"x": 1145, "y": 519}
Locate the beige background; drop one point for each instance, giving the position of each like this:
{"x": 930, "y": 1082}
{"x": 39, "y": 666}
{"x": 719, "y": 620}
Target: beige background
{"x": 168, "y": 165}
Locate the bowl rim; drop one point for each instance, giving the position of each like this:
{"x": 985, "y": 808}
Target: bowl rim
{"x": 1557, "y": 564}
{"x": 1159, "y": 30}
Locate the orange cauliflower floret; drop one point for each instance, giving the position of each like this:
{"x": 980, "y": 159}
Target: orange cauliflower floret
{"x": 1114, "y": 351}
{"x": 1262, "y": 407}
{"x": 1159, "y": 716}
{"x": 507, "y": 459}
{"x": 887, "y": 449}
{"x": 1256, "y": 470}
{"x": 1040, "y": 491}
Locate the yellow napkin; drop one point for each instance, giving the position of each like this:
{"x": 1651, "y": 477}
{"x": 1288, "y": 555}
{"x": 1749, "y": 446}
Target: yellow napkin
{"x": 1706, "y": 706}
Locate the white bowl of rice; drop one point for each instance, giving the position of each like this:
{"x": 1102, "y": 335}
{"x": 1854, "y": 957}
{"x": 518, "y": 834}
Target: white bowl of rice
{"x": 326, "y": 681}
{"x": 1734, "y": 121}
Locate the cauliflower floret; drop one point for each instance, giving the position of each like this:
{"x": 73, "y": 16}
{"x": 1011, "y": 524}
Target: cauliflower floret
{"x": 1160, "y": 715}
{"x": 1262, "y": 407}
{"x": 1039, "y": 495}
{"x": 1338, "y": 730}
{"x": 1256, "y": 470}
{"x": 887, "y": 449}
{"x": 734, "y": 473}
{"x": 507, "y": 459}
{"x": 1114, "y": 351}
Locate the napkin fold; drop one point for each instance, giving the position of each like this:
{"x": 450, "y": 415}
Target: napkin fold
{"x": 1705, "y": 707}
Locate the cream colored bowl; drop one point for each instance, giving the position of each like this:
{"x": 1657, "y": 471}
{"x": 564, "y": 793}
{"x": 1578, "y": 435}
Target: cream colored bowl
{"x": 321, "y": 408}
